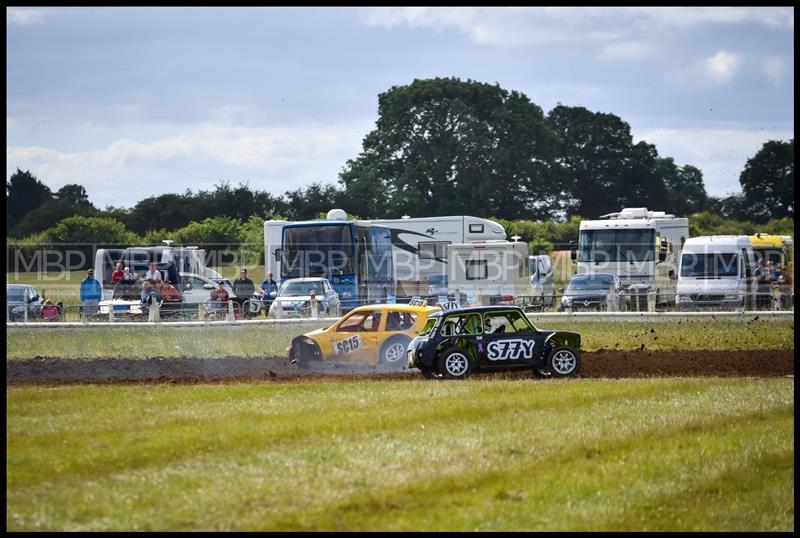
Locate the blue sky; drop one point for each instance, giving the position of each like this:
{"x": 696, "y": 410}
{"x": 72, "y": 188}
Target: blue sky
{"x": 135, "y": 102}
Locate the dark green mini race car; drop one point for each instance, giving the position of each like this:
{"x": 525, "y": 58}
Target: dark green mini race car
{"x": 455, "y": 343}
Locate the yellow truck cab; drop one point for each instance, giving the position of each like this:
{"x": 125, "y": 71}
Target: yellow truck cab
{"x": 777, "y": 252}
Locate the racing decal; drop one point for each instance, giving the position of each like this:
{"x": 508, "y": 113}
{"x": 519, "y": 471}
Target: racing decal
{"x": 348, "y": 345}
{"x": 449, "y": 305}
{"x": 514, "y": 349}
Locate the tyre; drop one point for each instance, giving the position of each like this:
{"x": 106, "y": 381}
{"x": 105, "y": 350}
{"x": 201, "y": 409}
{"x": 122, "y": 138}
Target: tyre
{"x": 563, "y": 361}
{"x": 393, "y": 351}
{"x": 455, "y": 364}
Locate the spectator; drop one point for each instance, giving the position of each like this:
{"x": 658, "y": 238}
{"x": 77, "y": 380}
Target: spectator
{"x": 148, "y": 290}
{"x": 118, "y": 275}
{"x": 128, "y": 276}
{"x": 172, "y": 274}
{"x": 153, "y": 275}
{"x": 243, "y": 287}
{"x": 268, "y": 286}
{"x": 91, "y": 293}
{"x": 219, "y": 295}
{"x": 168, "y": 292}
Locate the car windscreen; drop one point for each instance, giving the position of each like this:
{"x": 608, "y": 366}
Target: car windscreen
{"x": 710, "y": 264}
{"x": 16, "y": 295}
{"x": 295, "y": 289}
{"x": 591, "y": 283}
{"x": 429, "y": 325}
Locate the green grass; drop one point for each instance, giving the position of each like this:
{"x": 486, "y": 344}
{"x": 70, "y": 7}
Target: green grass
{"x": 492, "y": 454}
{"x": 272, "y": 340}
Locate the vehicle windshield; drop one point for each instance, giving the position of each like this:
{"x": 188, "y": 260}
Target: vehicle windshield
{"x": 591, "y": 282}
{"x": 617, "y": 245}
{"x": 710, "y": 265}
{"x": 16, "y": 295}
{"x": 770, "y": 255}
{"x": 298, "y": 289}
{"x": 323, "y": 250}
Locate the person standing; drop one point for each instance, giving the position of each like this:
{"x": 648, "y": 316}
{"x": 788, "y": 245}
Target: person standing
{"x": 153, "y": 275}
{"x": 118, "y": 275}
{"x": 172, "y": 274}
{"x": 243, "y": 287}
{"x": 91, "y": 293}
{"x": 268, "y": 286}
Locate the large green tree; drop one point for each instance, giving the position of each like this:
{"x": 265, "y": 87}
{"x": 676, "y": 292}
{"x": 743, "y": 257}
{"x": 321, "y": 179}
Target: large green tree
{"x": 685, "y": 191}
{"x": 768, "y": 181}
{"x": 24, "y": 193}
{"x": 447, "y": 146}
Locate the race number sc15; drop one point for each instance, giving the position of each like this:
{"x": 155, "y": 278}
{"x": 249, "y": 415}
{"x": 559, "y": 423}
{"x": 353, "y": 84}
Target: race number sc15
{"x": 348, "y": 345}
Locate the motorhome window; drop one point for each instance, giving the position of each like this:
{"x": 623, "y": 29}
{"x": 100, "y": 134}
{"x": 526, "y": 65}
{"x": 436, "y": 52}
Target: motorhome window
{"x": 430, "y": 250}
{"x": 317, "y": 251}
{"x": 477, "y": 270}
{"x": 379, "y": 254}
{"x": 710, "y": 265}
{"x": 476, "y": 228}
{"x": 617, "y": 245}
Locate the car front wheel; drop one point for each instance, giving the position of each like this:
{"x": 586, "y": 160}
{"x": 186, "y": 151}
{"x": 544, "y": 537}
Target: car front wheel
{"x": 563, "y": 361}
{"x": 455, "y": 364}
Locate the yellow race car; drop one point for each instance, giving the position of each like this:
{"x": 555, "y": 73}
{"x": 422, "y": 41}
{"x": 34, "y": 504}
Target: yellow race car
{"x": 370, "y": 334}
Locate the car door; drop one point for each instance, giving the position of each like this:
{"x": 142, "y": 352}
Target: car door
{"x": 510, "y": 341}
{"x": 356, "y": 338}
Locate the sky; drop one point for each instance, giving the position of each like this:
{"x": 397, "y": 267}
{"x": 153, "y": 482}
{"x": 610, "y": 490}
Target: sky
{"x": 137, "y": 102}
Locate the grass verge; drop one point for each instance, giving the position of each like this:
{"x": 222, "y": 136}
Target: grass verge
{"x": 272, "y": 340}
{"x": 655, "y": 454}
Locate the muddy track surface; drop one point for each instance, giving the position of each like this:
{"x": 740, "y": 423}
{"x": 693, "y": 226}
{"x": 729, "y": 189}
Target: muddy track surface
{"x": 602, "y": 364}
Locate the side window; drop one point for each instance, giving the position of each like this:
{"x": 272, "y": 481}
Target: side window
{"x": 353, "y": 322}
{"x": 407, "y": 320}
{"x": 372, "y": 323}
{"x": 476, "y": 228}
{"x": 429, "y": 250}
{"x": 477, "y": 270}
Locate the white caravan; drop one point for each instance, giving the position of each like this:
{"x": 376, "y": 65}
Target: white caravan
{"x": 482, "y": 270}
{"x": 419, "y": 245}
{"x": 717, "y": 272}
{"x": 641, "y": 247}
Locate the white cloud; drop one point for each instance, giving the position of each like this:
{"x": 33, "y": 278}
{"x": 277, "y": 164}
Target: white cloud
{"x": 631, "y": 50}
{"x": 272, "y": 159}
{"x": 773, "y": 17}
{"x": 722, "y": 66}
{"x": 23, "y": 16}
{"x": 720, "y": 153}
{"x": 775, "y": 68}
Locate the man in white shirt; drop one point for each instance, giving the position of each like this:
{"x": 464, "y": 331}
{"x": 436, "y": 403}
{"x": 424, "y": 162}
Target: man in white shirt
{"x": 153, "y": 275}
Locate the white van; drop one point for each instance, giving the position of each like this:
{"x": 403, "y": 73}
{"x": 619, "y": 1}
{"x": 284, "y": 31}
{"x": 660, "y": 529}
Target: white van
{"x": 488, "y": 270}
{"x": 717, "y": 272}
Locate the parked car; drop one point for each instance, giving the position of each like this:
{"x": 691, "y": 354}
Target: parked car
{"x": 593, "y": 291}
{"x": 295, "y": 294}
{"x": 369, "y": 334}
{"x": 455, "y": 343}
{"x": 197, "y": 288}
{"x": 20, "y": 297}
{"x": 543, "y": 283}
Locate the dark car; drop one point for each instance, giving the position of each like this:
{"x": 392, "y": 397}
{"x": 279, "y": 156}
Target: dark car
{"x": 593, "y": 291}
{"x": 455, "y": 343}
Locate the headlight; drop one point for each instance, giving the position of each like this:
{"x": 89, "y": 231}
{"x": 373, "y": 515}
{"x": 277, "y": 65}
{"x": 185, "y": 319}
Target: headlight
{"x": 566, "y": 300}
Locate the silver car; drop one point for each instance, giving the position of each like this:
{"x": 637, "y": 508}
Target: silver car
{"x": 294, "y": 299}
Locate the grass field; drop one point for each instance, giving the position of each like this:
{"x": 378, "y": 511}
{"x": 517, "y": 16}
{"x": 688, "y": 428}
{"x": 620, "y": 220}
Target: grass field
{"x": 655, "y": 454}
{"x": 272, "y": 340}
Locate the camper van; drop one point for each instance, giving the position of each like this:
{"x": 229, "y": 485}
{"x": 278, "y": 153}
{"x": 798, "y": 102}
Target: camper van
{"x": 717, "y": 272}
{"x": 486, "y": 271}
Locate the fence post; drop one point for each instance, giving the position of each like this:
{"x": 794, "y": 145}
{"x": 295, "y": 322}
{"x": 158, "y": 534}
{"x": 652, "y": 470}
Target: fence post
{"x": 201, "y": 311}
{"x": 154, "y": 314}
{"x": 651, "y": 301}
{"x": 314, "y": 307}
{"x": 25, "y": 313}
{"x": 230, "y": 316}
{"x": 611, "y": 303}
{"x": 111, "y": 313}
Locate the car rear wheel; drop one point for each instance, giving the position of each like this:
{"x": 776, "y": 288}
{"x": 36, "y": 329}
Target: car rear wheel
{"x": 393, "y": 351}
{"x": 455, "y": 364}
{"x": 563, "y": 361}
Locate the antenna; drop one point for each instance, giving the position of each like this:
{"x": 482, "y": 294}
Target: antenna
{"x": 516, "y": 238}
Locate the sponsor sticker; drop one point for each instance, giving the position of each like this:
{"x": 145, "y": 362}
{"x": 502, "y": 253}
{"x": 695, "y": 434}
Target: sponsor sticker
{"x": 348, "y": 345}
{"x": 512, "y": 349}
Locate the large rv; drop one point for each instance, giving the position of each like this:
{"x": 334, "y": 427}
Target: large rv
{"x": 641, "y": 247}
{"x": 419, "y": 245}
{"x": 355, "y": 256}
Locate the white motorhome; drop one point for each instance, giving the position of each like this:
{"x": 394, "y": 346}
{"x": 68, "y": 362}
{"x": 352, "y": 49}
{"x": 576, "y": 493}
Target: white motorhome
{"x": 482, "y": 270}
{"x": 187, "y": 259}
{"x": 419, "y": 245}
{"x": 717, "y": 272}
{"x": 641, "y": 247}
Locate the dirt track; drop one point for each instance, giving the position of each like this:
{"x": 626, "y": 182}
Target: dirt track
{"x": 603, "y": 364}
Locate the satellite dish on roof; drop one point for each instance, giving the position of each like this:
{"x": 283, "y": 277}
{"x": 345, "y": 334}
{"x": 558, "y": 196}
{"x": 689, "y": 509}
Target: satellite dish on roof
{"x": 337, "y": 214}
